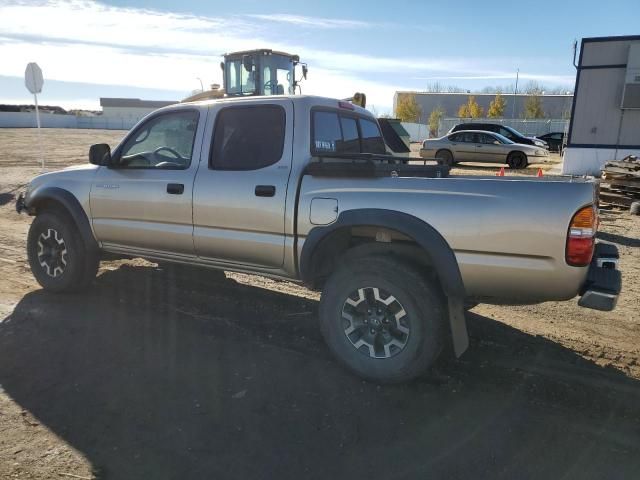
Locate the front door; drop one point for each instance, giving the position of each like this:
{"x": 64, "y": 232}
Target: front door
{"x": 487, "y": 150}
{"x": 144, "y": 201}
{"x": 240, "y": 195}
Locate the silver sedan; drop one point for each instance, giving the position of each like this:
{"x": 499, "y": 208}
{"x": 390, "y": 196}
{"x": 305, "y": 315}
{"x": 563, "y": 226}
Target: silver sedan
{"x": 481, "y": 146}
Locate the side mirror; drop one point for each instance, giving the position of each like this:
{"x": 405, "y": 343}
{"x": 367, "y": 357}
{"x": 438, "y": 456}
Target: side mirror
{"x": 305, "y": 70}
{"x": 100, "y": 154}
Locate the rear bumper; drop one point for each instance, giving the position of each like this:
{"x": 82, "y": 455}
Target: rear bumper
{"x": 604, "y": 280}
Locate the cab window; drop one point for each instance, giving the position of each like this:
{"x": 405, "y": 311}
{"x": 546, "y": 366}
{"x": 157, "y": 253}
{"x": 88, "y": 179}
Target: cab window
{"x": 333, "y": 132}
{"x": 372, "y": 141}
{"x": 164, "y": 141}
{"x": 248, "y": 138}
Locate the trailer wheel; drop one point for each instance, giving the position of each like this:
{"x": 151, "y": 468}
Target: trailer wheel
{"x": 382, "y": 319}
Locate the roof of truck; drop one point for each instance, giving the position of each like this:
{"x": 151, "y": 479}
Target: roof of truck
{"x": 310, "y": 100}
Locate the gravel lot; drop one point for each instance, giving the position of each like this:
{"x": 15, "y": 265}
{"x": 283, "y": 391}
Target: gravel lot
{"x": 179, "y": 373}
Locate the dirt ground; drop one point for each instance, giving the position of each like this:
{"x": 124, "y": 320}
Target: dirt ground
{"x": 179, "y": 373}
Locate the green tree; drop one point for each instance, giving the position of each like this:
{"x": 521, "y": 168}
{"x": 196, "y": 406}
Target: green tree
{"x": 533, "y": 107}
{"x": 471, "y": 109}
{"x": 434, "y": 121}
{"x": 496, "y": 107}
{"x": 408, "y": 109}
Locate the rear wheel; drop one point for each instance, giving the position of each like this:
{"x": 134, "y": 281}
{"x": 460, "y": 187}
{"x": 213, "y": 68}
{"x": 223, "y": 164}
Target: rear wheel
{"x": 58, "y": 257}
{"x": 382, "y": 319}
{"x": 517, "y": 160}
{"x": 445, "y": 157}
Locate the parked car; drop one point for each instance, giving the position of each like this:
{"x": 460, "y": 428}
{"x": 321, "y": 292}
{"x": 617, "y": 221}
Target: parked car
{"x": 504, "y": 130}
{"x": 480, "y": 146}
{"x": 555, "y": 140}
{"x": 301, "y": 188}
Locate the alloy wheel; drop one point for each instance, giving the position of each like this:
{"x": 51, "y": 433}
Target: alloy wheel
{"x": 375, "y": 322}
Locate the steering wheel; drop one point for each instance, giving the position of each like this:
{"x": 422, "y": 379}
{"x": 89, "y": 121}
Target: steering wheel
{"x": 271, "y": 85}
{"x": 168, "y": 149}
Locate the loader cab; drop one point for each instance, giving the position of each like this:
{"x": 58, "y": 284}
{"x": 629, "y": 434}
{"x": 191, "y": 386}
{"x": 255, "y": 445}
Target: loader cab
{"x": 260, "y": 72}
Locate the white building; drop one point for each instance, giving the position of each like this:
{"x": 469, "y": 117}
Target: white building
{"x": 605, "y": 118}
{"x": 130, "y": 109}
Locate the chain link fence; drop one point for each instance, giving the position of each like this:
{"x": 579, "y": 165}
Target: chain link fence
{"x": 529, "y": 128}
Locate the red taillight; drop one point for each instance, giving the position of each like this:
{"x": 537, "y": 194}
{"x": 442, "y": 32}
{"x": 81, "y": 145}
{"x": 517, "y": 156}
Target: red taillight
{"x": 581, "y": 237}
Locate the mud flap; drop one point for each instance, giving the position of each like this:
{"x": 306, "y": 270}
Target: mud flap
{"x": 458, "y": 324}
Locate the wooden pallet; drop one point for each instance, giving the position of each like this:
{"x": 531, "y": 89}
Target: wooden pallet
{"x": 620, "y": 185}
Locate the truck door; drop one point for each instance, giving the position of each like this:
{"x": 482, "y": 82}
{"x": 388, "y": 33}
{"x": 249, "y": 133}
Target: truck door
{"x": 240, "y": 189}
{"x": 143, "y": 203}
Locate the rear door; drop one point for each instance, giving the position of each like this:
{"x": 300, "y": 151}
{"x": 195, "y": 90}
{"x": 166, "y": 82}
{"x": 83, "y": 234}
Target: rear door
{"x": 464, "y": 147}
{"x": 240, "y": 190}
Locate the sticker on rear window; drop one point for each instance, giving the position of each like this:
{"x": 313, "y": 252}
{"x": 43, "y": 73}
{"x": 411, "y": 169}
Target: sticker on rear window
{"x": 329, "y": 146}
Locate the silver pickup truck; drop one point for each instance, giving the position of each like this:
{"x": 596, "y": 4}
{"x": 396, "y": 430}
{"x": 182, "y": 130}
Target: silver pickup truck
{"x": 302, "y": 188}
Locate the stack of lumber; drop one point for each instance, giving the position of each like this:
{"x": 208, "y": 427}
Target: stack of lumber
{"x": 620, "y": 183}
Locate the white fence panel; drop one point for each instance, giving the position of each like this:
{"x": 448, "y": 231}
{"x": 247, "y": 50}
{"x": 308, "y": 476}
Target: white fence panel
{"x": 55, "y": 120}
{"x": 417, "y": 131}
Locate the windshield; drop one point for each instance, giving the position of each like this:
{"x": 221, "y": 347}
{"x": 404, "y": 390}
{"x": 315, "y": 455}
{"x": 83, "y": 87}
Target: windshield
{"x": 277, "y": 75}
{"x": 513, "y": 131}
{"x": 502, "y": 138}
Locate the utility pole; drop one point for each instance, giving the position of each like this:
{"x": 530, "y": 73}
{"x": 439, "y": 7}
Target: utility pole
{"x": 515, "y": 93}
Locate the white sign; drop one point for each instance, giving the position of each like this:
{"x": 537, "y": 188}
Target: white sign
{"x": 33, "y": 78}
{"x": 33, "y": 81}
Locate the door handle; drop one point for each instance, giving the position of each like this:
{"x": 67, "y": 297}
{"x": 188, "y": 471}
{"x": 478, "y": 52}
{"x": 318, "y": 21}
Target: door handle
{"x": 265, "y": 190}
{"x": 175, "y": 188}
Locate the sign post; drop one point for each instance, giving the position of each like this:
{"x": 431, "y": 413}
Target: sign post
{"x": 33, "y": 80}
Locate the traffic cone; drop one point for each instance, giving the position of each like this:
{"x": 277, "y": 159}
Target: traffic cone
{"x": 500, "y": 173}
{"x": 539, "y": 174}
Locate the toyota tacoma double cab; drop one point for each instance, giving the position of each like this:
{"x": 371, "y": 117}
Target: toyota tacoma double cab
{"x": 302, "y": 188}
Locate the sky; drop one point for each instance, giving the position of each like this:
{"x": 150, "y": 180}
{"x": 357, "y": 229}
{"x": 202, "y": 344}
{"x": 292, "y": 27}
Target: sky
{"x": 157, "y": 50}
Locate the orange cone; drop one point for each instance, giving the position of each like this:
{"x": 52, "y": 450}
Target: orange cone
{"x": 500, "y": 173}
{"x": 539, "y": 174}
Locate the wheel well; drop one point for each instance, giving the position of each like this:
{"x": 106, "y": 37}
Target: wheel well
{"x": 444, "y": 150}
{"x": 49, "y": 205}
{"x": 362, "y": 241}
{"x": 516, "y": 151}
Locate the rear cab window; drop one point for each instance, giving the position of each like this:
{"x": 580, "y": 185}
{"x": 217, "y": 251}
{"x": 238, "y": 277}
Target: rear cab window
{"x": 335, "y": 132}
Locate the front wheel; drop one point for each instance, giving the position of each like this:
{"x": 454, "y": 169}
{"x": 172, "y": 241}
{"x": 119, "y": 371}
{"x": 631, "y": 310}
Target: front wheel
{"x": 517, "y": 160}
{"x": 58, "y": 257}
{"x": 445, "y": 157}
{"x": 382, "y": 319}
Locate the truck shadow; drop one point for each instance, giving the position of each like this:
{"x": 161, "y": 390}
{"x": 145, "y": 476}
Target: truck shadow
{"x": 192, "y": 375}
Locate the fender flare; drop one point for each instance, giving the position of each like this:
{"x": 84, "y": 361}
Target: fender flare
{"x": 428, "y": 238}
{"x": 70, "y": 204}
{"x": 441, "y": 254}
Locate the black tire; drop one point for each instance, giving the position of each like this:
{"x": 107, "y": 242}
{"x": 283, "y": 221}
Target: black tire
{"x": 517, "y": 160}
{"x": 412, "y": 293}
{"x": 59, "y": 259}
{"x": 445, "y": 157}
